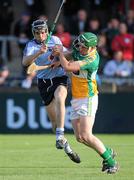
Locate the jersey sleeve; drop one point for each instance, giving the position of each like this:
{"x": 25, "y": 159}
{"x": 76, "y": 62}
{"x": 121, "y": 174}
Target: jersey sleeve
{"x": 86, "y": 64}
{"x": 91, "y": 63}
{"x": 28, "y": 50}
{"x": 58, "y": 42}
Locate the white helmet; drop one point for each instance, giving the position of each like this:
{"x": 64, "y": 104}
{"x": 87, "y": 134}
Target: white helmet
{"x": 39, "y": 25}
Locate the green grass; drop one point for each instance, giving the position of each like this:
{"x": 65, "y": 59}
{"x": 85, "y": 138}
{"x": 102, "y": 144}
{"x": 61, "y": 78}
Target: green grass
{"x": 34, "y": 157}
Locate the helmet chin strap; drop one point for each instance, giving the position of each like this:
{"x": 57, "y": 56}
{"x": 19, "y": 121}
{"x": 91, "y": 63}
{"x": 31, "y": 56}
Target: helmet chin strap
{"x": 91, "y": 53}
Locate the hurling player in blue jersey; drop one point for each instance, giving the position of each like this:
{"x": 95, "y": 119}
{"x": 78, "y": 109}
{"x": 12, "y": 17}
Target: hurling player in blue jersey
{"x": 52, "y": 82}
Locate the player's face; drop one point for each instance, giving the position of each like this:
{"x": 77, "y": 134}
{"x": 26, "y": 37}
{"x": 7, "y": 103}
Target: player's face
{"x": 83, "y": 50}
{"x": 41, "y": 35}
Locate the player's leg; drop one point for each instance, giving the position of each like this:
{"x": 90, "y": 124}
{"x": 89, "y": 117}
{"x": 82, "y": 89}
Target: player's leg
{"x": 61, "y": 142}
{"x": 60, "y": 95}
{"x": 48, "y": 99}
{"x": 59, "y": 101}
{"x": 104, "y": 162}
{"x": 76, "y": 129}
{"x": 86, "y": 124}
{"x": 51, "y": 114}
{"x": 84, "y": 135}
{"x": 53, "y": 95}
{"x": 83, "y": 130}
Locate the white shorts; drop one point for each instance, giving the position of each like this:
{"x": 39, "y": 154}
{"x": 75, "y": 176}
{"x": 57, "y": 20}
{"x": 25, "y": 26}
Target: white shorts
{"x": 84, "y": 107}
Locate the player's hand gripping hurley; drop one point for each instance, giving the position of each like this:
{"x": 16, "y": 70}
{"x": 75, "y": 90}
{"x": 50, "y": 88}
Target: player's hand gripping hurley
{"x": 33, "y": 67}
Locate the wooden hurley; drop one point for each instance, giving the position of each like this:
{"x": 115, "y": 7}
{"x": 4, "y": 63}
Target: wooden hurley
{"x": 33, "y": 68}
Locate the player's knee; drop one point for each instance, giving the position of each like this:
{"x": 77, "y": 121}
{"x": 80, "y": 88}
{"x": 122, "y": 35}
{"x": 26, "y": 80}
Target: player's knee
{"x": 79, "y": 139}
{"x": 86, "y": 137}
{"x": 60, "y": 94}
{"x": 60, "y": 99}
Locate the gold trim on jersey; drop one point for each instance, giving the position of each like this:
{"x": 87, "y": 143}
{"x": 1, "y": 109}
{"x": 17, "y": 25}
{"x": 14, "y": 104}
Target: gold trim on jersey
{"x": 79, "y": 87}
{"x": 89, "y": 58}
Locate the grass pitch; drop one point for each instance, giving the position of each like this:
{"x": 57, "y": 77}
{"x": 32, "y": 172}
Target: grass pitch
{"x": 34, "y": 157}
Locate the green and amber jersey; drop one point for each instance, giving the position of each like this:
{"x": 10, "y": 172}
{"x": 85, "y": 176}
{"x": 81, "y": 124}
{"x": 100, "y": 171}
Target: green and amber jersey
{"x": 84, "y": 81}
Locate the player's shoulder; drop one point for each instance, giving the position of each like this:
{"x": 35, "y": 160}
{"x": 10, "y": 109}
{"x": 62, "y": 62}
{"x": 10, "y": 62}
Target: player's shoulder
{"x": 92, "y": 58}
{"x": 56, "y": 39}
{"x": 30, "y": 42}
{"x": 29, "y": 45}
{"x": 92, "y": 61}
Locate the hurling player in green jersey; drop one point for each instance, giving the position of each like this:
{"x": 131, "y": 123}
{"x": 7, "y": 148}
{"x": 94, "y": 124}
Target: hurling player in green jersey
{"x": 83, "y": 65}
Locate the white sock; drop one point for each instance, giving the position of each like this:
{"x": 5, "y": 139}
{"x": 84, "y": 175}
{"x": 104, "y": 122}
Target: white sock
{"x": 59, "y": 133}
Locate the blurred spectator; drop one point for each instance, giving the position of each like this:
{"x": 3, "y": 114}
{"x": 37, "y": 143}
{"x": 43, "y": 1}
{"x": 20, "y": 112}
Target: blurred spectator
{"x": 103, "y": 51}
{"x": 125, "y": 5}
{"x": 6, "y": 16}
{"x": 131, "y": 4}
{"x": 42, "y": 17}
{"x": 111, "y": 31}
{"x": 64, "y": 36}
{"x": 22, "y": 40}
{"x": 130, "y": 21}
{"x": 102, "y": 9}
{"x": 94, "y": 26}
{"x": 45, "y": 18}
{"x": 27, "y": 82}
{"x": 124, "y": 42}
{"x": 117, "y": 67}
{"x": 4, "y": 72}
{"x": 22, "y": 30}
{"x": 79, "y": 23}
{"x": 113, "y": 28}
{"x": 71, "y": 7}
{"x": 35, "y": 7}
{"x": 6, "y": 19}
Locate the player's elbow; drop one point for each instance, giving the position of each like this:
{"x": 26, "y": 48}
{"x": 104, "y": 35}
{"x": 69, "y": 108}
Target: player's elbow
{"x": 24, "y": 62}
{"x": 66, "y": 67}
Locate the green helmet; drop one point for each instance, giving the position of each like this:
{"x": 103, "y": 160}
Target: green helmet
{"x": 86, "y": 39}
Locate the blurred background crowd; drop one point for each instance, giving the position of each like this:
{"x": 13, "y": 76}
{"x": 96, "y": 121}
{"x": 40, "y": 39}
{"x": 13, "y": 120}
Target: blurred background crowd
{"x": 112, "y": 21}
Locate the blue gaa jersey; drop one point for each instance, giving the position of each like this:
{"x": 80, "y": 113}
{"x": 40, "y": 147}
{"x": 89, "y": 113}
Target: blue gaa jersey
{"x": 33, "y": 46}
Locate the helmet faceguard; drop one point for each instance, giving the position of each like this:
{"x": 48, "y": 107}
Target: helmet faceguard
{"x": 39, "y": 25}
{"x": 86, "y": 40}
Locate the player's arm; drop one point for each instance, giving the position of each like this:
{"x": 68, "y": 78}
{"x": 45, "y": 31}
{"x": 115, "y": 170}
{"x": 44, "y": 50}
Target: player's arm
{"x": 55, "y": 52}
{"x": 27, "y": 60}
{"x": 69, "y": 65}
{"x": 68, "y": 55}
{"x": 66, "y": 59}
